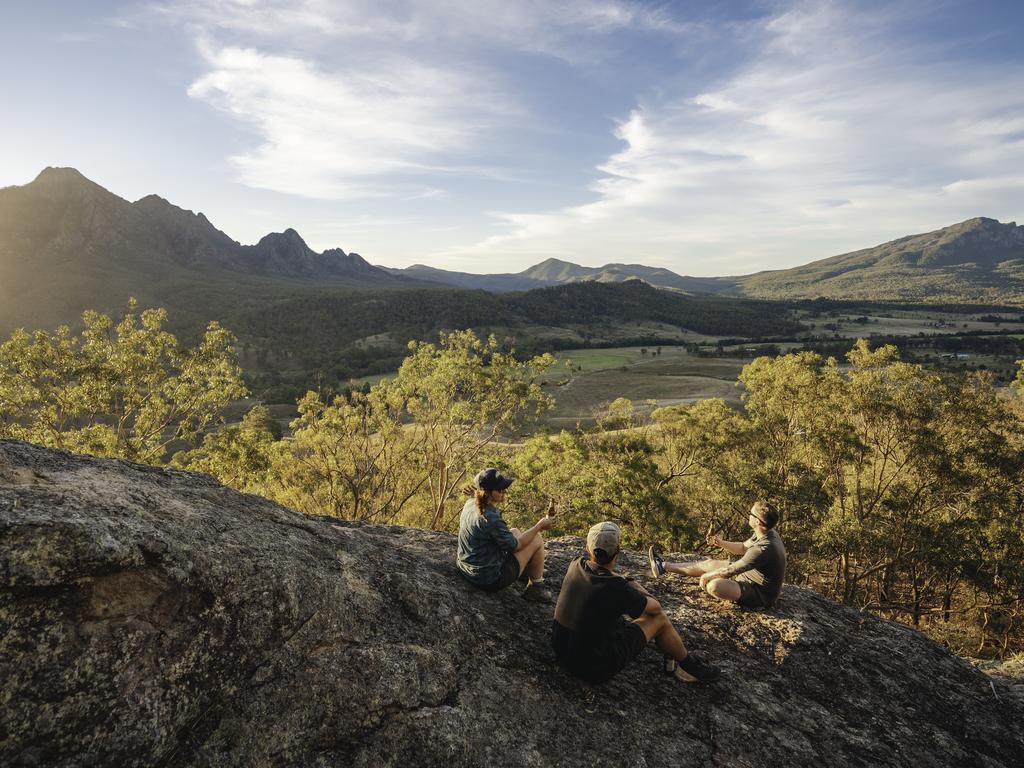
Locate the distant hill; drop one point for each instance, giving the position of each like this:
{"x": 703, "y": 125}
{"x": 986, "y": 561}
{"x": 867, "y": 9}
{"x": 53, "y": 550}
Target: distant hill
{"x": 67, "y": 244}
{"x": 556, "y": 272}
{"x": 976, "y": 261}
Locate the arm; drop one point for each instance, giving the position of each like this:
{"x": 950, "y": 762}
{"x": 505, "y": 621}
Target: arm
{"x": 732, "y": 547}
{"x": 745, "y": 563}
{"x": 524, "y": 539}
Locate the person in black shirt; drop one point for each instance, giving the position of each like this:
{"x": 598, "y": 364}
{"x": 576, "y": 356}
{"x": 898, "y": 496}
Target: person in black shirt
{"x": 753, "y": 581}
{"x": 590, "y": 637}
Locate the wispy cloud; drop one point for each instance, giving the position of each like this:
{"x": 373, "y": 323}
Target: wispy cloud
{"x": 338, "y": 134}
{"x": 366, "y": 99}
{"x": 833, "y": 106}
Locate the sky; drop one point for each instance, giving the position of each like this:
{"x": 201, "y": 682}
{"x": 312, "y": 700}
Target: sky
{"x": 488, "y": 135}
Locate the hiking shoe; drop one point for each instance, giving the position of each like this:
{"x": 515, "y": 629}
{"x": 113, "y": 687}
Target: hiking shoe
{"x": 656, "y": 561}
{"x": 694, "y": 669}
{"x": 537, "y": 593}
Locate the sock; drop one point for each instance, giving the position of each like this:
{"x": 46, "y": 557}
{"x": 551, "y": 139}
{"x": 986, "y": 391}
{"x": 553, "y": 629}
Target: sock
{"x": 537, "y": 581}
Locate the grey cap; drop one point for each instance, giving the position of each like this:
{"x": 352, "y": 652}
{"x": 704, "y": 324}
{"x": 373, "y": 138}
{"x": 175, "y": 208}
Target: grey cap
{"x": 491, "y": 479}
{"x": 605, "y": 537}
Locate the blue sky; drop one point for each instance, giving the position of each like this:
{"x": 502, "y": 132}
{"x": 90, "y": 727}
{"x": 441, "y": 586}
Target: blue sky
{"x": 488, "y": 135}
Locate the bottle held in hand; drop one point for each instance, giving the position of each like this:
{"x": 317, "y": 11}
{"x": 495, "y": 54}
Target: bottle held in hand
{"x": 551, "y": 508}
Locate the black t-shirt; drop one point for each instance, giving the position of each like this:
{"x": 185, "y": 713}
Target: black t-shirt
{"x": 589, "y": 611}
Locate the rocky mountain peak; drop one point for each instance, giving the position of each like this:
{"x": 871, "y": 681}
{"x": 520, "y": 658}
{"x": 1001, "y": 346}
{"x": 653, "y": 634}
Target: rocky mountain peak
{"x": 154, "y": 617}
{"x": 67, "y": 183}
{"x": 60, "y": 175}
{"x": 288, "y": 239}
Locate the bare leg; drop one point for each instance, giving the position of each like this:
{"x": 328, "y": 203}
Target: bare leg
{"x": 531, "y": 558}
{"x": 724, "y": 589}
{"x": 659, "y": 628}
{"x": 696, "y": 569}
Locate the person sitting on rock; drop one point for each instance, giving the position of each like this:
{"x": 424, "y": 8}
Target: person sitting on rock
{"x": 753, "y": 581}
{"x": 590, "y": 636}
{"x": 491, "y": 555}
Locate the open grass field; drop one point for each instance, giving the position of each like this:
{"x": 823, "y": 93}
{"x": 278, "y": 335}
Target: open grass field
{"x": 602, "y": 375}
{"x": 903, "y": 324}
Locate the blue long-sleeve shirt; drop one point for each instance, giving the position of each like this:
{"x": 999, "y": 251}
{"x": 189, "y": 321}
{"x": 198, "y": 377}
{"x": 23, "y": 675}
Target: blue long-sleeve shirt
{"x": 484, "y": 543}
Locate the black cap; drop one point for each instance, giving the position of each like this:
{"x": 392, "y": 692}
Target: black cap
{"x": 491, "y": 479}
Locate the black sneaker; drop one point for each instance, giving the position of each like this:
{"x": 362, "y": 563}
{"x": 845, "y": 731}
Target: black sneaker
{"x": 656, "y": 561}
{"x": 694, "y": 669}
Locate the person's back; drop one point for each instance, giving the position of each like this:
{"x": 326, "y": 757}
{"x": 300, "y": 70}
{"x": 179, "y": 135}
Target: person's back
{"x": 588, "y": 629}
{"x": 492, "y": 556}
{"x": 484, "y": 541}
{"x": 590, "y": 636}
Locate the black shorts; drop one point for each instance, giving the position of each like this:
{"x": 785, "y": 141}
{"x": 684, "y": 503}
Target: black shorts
{"x": 753, "y": 595}
{"x": 508, "y": 574}
{"x": 626, "y": 643}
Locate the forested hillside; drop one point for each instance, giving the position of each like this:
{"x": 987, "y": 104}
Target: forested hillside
{"x": 976, "y": 261}
{"x": 356, "y": 333}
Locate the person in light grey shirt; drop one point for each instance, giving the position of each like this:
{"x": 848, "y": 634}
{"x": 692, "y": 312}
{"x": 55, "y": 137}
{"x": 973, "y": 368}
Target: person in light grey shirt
{"x": 753, "y": 581}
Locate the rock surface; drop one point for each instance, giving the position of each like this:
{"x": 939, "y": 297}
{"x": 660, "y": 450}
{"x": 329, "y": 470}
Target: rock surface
{"x": 153, "y": 617}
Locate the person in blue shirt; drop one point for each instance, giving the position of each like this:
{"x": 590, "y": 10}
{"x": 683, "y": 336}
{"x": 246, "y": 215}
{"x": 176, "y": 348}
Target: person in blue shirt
{"x": 490, "y": 554}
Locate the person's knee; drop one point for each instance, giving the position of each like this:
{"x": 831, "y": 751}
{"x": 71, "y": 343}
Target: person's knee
{"x": 716, "y": 588}
{"x": 723, "y": 589}
{"x": 659, "y": 620}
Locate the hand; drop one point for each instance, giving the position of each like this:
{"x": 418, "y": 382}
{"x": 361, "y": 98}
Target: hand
{"x": 545, "y": 523}
{"x": 708, "y": 577}
{"x": 713, "y": 540}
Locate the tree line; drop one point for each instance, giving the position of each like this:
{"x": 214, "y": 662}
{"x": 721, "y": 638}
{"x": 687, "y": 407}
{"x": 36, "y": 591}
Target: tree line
{"x": 900, "y": 487}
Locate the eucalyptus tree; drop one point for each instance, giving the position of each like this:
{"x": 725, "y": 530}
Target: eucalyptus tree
{"x": 124, "y": 389}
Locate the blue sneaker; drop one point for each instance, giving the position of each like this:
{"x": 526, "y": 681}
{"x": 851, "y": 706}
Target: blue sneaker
{"x": 656, "y": 561}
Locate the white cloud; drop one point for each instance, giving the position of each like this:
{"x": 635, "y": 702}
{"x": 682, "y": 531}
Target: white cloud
{"x": 338, "y": 134}
{"x": 834, "y": 135}
{"x": 364, "y": 99}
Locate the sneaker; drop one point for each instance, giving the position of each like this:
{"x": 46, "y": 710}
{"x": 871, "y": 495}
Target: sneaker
{"x": 537, "y": 593}
{"x": 694, "y": 669}
{"x": 656, "y": 561}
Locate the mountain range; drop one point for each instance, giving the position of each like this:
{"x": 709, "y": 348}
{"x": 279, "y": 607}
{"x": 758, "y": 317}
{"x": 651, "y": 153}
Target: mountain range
{"x": 976, "y": 261}
{"x": 67, "y": 244}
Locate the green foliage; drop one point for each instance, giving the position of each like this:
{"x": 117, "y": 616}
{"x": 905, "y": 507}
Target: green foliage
{"x": 461, "y": 394}
{"x": 396, "y": 453}
{"x": 353, "y": 458}
{"x": 124, "y": 389}
{"x": 238, "y": 455}
{"x": 897, "y": 484}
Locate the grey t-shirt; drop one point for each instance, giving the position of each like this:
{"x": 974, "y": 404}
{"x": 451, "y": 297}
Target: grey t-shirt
{"x": 764, "y": 563}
